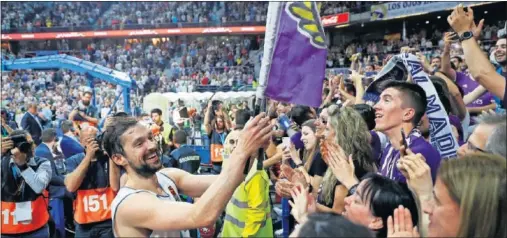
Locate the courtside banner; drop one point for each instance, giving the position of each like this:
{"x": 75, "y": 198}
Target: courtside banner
{"x": 392, "y": 10}
{"x": 134, "y": 33}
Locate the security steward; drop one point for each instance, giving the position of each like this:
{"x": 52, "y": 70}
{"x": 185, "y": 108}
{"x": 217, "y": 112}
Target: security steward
{"x": 25, "y": 179}
{"x": 184, "y": 157}
{"x": 94, "y": 183}
{"x": 248, "y": 213}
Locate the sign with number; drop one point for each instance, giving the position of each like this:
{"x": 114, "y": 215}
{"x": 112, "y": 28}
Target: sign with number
{"x": 93, "y": 205}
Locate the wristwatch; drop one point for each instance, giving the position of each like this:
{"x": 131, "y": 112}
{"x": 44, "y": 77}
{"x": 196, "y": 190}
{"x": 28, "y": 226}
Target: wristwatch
{"x": 466, "y": 35}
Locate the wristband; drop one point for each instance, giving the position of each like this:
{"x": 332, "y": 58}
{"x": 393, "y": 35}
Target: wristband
{"x": 352, "y": 189}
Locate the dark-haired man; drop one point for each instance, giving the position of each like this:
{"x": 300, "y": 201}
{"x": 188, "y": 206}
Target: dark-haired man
{"x": 401, "y": 106}
{"x": 165, "y": 130}
{"x": 184, "y": 157}
{"x": 85, "y": 113}
{"x": 436, "y": 63}
{"x": 217, "y": 126}
{"x": 94, "y": 180}
{"x": 149, "y": 203}
{"x": 25, "y": 178}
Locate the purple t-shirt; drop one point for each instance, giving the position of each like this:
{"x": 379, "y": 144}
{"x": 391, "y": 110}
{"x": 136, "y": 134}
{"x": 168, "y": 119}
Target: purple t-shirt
{"x": 468, "y": 85}
{"x": 417, "y": 144}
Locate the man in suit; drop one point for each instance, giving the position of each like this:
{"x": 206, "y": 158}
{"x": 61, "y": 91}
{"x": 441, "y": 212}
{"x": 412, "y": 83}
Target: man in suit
{"x": 69, "y": 144}
{"x": 57, "y": 191}
{"x": 32, "y": 122}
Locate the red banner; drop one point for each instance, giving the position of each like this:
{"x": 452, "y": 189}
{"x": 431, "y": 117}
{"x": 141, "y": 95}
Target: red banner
{"x": 134, "y": 33}
{"x": 338, "y": 19}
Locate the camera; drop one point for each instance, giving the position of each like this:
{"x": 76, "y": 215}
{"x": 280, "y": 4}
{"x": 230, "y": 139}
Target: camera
{"x": 21, "y": 143}
{"x": 99, "y": 154}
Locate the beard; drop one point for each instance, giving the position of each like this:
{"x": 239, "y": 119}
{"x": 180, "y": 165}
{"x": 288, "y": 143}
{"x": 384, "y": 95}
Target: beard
{"x": 146, "y": 170}
{"x": 86, "y": 103}
{"x": 503, "y": 62}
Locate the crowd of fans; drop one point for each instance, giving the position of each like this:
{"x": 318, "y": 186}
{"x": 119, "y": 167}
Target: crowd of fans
{"x": 429, "y": 44}
{"x": 123, "y": 14}
{"x": 162, "y": 66}
{"x": 34, "y": 16}
{"x": 329, "y": 8}
{"x": 361, "y": 164}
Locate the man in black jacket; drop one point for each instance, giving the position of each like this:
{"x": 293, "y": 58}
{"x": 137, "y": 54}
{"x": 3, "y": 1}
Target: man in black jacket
{"x": 184, "y": 157}
{"x": 32, "y": 122}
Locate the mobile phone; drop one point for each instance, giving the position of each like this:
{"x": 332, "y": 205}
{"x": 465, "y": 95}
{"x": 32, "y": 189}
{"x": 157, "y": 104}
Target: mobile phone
{"x": 455, "y": 38}
{"x": 286, "y": 142}
{"x": 404, "y": 141}
{"x": 284, "y": 122}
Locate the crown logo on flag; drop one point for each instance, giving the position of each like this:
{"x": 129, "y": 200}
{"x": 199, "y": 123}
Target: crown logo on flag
{"x": 309, "y": 23}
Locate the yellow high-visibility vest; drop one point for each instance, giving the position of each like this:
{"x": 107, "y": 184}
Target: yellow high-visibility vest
{"x": 248, "y": 213}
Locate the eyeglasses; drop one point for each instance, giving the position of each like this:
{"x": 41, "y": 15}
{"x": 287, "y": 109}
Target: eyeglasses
{"x": 471, "y": 146}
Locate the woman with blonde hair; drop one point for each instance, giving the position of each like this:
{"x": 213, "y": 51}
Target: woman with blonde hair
{"x": 469, "y": 198}
{"x": 347, "y": 129}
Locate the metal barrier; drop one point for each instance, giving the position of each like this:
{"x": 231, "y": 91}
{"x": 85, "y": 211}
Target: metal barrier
{"x": 285, "y": 217}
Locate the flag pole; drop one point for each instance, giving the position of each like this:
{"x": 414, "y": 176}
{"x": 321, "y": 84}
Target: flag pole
{"x": 273, "y": 15}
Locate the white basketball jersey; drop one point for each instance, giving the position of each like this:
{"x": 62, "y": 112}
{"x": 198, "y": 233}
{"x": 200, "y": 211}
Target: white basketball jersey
{"x": 172, "y": 195}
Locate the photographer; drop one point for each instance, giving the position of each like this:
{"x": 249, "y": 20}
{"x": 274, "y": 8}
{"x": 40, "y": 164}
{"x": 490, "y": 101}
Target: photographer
{"x": 85, "y": 113}
{"x": 94, "y": 182}
{"x": 217, "y": 125}
{"x": 24, "y": 182}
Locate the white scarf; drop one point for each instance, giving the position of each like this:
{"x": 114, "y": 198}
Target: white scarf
{"x": 441, "y": 136}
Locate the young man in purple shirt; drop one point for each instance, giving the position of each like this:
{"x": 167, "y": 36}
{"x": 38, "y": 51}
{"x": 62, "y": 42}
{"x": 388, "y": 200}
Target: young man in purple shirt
{"x": 401, "y": 106}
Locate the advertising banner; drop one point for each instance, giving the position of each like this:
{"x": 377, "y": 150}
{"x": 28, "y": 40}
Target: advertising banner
{"x": 134, "y": 33}
{"x": 392, "y": 10}
{"x": 336, "y": 19}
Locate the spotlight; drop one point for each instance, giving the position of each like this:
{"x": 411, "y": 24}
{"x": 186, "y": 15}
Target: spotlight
{"x": 438, "y": 17}
{"x": 427, "y": 22}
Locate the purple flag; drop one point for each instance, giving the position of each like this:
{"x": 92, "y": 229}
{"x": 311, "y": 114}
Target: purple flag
{"x": 295, "y": 65}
